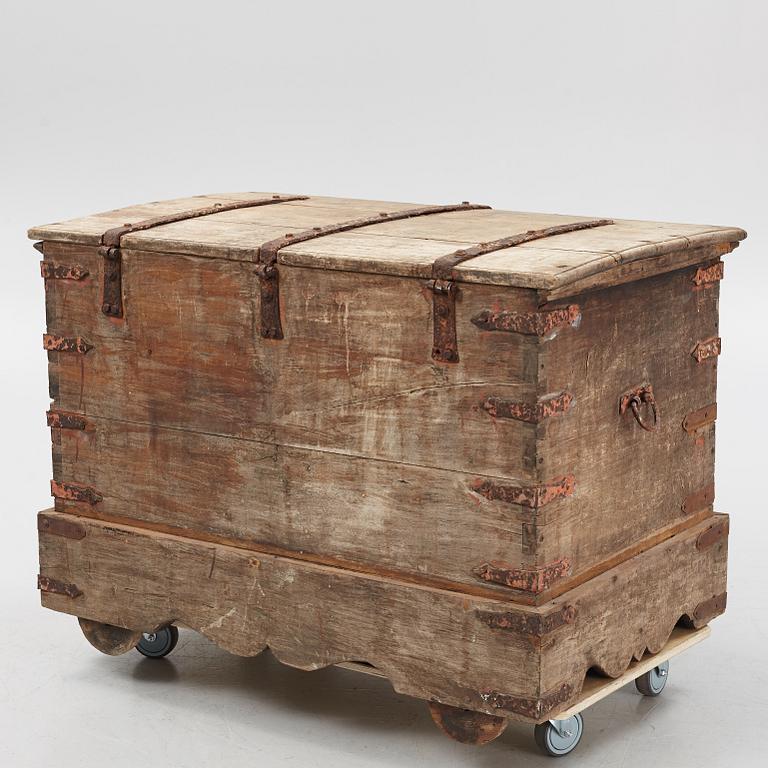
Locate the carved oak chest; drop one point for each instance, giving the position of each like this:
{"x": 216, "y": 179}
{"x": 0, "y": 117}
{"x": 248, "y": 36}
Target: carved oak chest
{"x": 471, "y": 448}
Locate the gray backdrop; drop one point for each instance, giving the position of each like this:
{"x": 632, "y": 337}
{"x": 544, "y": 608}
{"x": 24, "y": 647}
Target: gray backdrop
{"x": 654, "y": 110}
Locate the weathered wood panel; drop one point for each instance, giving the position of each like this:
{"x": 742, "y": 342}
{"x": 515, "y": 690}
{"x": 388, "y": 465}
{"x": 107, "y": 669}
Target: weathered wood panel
{"x": 485, "y": 655}
{"x": 354, "y": 373}
{"x": 426, "y": 523}
{"x": 353, "y": 378}
{"x": 630, "y": 610}
{"x": 629, "y": 482}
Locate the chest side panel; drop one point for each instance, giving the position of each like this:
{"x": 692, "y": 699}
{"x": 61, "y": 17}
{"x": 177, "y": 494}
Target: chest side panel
{"x": 631, "y": 484}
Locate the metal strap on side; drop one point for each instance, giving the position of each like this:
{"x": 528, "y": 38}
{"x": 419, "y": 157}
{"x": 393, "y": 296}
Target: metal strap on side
{"x": 112, "y": 296}
{"x": 271, "y": 326}
{"x": 445, "y": 347}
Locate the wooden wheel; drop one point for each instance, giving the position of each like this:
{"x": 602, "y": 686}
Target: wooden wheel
{"x": 465, "y": 725}
{"x": 108, "y": 639}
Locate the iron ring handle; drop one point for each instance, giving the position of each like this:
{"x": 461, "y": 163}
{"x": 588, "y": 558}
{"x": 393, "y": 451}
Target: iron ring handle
{"x": 645, "y": 398}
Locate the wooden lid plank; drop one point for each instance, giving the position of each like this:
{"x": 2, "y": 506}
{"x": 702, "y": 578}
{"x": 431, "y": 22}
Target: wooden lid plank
{"x": 406, "y": 247}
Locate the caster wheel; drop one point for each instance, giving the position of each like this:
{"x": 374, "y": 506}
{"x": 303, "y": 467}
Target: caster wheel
{"x": 652, "y": 683}
{"x": 155, "y": 645}
{"x": 559, "y": 737}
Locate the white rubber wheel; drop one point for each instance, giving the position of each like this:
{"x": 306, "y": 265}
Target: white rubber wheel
{"x": 559, "y": 738}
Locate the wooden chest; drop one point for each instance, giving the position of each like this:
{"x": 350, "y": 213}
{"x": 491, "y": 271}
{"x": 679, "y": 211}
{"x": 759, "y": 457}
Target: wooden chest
{"x": 472, "y": 448}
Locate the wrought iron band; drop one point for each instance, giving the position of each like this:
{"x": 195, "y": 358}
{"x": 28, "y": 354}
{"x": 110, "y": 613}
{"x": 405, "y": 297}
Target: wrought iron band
{"x": 112, "y": 296}
{"x": 271, "y": 325}
{"x": 445, "y": 346}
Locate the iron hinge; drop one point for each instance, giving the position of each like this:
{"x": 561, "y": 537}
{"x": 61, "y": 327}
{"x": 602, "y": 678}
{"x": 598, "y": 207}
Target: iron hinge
{"x": 57, "y": 587}
{"x": 541, "y": 323}
{"x": 445, "y": 347}
{"x": 112, "y": 293}
{"x": 533, "y": 413}
{"x": 532, "y": 496}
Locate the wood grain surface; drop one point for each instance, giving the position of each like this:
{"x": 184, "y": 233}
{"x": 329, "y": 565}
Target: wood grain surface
{"x": 311, "y": 616}
{"x": 347, "y": 442}
{"x": 405, "y": 247}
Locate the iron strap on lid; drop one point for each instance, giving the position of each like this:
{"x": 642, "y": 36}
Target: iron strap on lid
{"x": 271, "y": 326}
{"x": 112, "y": 296}
{"x": 445, "y": 347}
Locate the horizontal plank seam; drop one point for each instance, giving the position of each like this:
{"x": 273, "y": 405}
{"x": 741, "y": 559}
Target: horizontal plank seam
{"x": 402, "y": 578}
{"x": 374, "y": 210}
{"x": 426, "y": 267}
{"x": 296, "y": 446}
{"x": 464, "y": 271}
{"x": 615, "y": 256}
{"x": 392, "y": 576}
{"x": 690, "y": 238}
{"x": 622, "y": 556}
{"x": 351, "y": 233}
{"x": 515, "y": 596}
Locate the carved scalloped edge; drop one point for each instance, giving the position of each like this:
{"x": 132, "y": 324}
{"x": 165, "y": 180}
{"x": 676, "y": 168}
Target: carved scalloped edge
{"x": 291, "y": 657}
{"x": 653, "y": 644}
{"x": 238, "y": 624}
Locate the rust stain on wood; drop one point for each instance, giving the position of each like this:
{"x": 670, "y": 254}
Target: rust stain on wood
{"x": 709, "y": 275}
{"x": 708, "y": 609}
{"x": 713, "y": 534}
{"x": 700, "y": 499}
{"x": 56, "y": 587}
{"x": 533, "y": 579}
{"x": 50, "y": 271}
{"x": 533, "y": 496}
{"x": 75, "y": 492}
{"x": 531, "y": 708}
{"x": 540, "y": 323}
{"x": 533, "y": 413}
{"x": 533, "y": 624}
{"x": 700, "y": 418}
{"x": 65, "y": 420}
{"x": 66, "y": 344}
{"x": 465, "y": 725}
{"x": 706, "y": 349}
{"x": 58, "y": 526}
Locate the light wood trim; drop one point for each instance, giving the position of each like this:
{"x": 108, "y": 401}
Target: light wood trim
{"x": 358, "y": 666}
{"x": 597, "y": 688}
